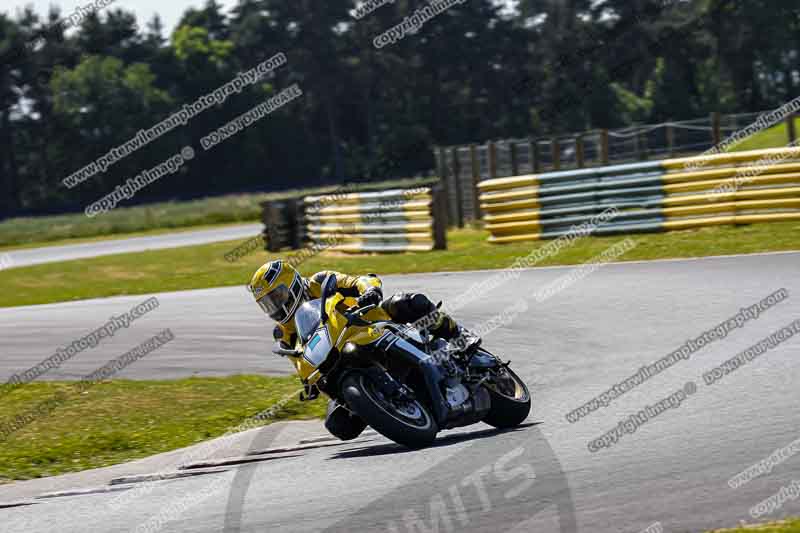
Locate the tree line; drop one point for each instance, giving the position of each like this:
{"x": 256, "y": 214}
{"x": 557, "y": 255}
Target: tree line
{"x": 475, "y": 71}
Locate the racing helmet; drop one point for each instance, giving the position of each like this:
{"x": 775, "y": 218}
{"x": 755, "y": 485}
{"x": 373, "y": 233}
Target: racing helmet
{"x": 278, "y": 289}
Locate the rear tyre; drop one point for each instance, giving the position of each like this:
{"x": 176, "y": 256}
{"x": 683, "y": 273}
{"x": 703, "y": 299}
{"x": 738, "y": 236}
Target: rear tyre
{"x": 511, "y": 401}
{"x": 409, "y": 423}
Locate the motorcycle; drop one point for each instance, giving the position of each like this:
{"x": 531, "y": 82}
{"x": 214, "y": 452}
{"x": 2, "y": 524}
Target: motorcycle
{"x": 404, "y": 383}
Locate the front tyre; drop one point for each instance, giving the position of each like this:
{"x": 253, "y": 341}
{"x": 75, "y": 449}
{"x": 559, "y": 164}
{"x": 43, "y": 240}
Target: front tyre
{"x": 408, "y": 423}
{"x": 511, "y": 401}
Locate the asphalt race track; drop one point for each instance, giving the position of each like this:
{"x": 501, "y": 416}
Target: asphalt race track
{"x": 54, "y": 254}
{"x": 542, "y": 477}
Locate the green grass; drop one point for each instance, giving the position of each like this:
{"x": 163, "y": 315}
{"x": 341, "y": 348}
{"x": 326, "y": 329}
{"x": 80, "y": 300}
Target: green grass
{"x": 775, "y": 137}
{"x": 126, "y": 220}
{"x": 123, "y": 221}
{"x": 100, "y": 238}
{"x": 119, "y": 421}
{"x": 204, "y": 266}
{"x": 784, "y": 526}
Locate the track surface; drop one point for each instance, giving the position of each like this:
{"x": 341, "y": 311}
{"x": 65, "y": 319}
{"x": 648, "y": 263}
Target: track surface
{"x": 54, "y": 254}
{"x": 673, "y": 470}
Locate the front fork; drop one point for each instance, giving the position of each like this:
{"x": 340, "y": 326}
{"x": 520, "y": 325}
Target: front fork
{"x": 398, "y": 348}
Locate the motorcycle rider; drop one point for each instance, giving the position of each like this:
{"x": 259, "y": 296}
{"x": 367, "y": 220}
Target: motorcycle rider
{"x": 279, "y": 290}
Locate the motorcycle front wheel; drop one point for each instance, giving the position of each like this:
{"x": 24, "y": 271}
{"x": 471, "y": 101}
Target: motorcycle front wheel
{"x": 409, "y": 423}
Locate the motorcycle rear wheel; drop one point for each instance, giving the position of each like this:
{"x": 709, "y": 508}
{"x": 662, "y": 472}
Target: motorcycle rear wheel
{"x": 410, "y": 424}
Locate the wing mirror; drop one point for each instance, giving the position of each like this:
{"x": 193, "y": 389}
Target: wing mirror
{"x": 328, "y": 289}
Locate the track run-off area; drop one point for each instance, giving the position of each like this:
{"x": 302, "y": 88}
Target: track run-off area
{"x": 68, "y": 252}
{"x": 672, "y": 468}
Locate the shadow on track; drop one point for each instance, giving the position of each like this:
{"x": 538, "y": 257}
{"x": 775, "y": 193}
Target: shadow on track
{"x": 447, "y": 440}
{"x": 511, "y": 483}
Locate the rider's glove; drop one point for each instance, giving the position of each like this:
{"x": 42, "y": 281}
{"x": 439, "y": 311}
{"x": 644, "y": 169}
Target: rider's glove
{"x": 372, "y": 296}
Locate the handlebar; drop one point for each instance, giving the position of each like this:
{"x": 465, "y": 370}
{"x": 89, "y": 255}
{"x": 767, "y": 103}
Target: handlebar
{"x": 277, "y": 350}
{"x": 354, "y": 315}
{"x": 362, "y": 310}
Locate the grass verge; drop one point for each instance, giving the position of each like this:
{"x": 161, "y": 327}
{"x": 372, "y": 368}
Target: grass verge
{"x": 127, "y": 220}
{"x": 784, "y": 526}
{"x": 119, "y": 421}
{"x": 204, "y": 266}
{"x": 166, "y": 215}
{"x": 775, "y": 137}
{"x": 101, "y": 238}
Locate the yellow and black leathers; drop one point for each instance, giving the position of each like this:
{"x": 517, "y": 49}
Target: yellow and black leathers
{"x": 280, "y": 289}
{"x": 351, "y": 287}
{"x": 405, "y": 308}
{"x": 416, "y": 308}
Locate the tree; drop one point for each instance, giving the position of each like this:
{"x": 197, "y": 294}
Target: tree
{"x": 105, "y": 103}
{"x": 471, "y": 73}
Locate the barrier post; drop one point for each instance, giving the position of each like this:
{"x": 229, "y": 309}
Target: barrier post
{"x": 440, "y": 163}
{"x": 439, "y": 214}
{"x": 716, "y": 128}
{"x": 670, "y": 139}
{"x": 476, "y": 178}
{"x": 641, "y": 146}
{"x": 555, "y": 149}
{"x": 533, "y": 148}
{"x": 790, "y": 128}
{"x": 458, "y": 185}
{"x": 512, "y": 148}
{"x": 579, "y": 150}
{"x": 492, "y": 154}
{"x": 446, "y": 186}
{"x": 604, "y": 147}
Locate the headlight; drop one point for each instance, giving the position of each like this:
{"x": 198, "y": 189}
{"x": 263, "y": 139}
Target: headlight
{"x": 318, "y": 347}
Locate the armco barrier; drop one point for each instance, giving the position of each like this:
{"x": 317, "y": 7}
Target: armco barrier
{"x": 398, "y": 220}
{"x": 675, "y": 194}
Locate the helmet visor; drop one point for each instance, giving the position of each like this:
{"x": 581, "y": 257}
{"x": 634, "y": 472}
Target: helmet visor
{"x": 276, "y": 303}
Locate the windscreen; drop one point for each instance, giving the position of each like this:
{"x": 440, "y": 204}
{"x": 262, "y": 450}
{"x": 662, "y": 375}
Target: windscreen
{"x": 307, "y": 319}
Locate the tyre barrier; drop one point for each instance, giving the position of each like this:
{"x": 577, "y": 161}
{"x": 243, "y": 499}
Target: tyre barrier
{"x": 398, "y": 220}
{"x": 674, "y": 194}
{"x": 281, "y": 225}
